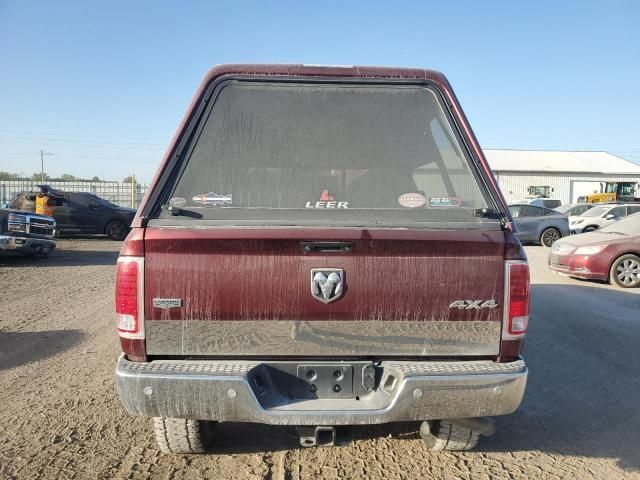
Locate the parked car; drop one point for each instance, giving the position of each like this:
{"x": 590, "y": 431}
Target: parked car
{"x": 612, "y": 253}
{"x": 600, "y": 216}
{"x": 538, "y": 225}
{"x": 24, "y": 233}
{"x": 330, "y": 249}
{"x": 573, "y": 209}
{"x": 81, "y": 212}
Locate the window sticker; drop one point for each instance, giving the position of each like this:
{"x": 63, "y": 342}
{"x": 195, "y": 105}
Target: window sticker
{"x": 177, "y": 202}
{"x": 412, "y": 200}
{"x": 326, "y": 201}
{"x": 438, "y": 202}
{"x": 212, "y": 199}
{"x": 325, "y": 197}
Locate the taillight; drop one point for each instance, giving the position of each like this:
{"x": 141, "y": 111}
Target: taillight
{"x": 129, "y": 297}
{"x": 516, "y": 301}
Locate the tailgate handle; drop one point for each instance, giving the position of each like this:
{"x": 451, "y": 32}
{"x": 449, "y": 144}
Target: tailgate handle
{"x": 340, "y": 247}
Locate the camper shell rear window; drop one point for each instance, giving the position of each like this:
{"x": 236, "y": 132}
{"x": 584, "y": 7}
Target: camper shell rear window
{"x": 328, "y": 154}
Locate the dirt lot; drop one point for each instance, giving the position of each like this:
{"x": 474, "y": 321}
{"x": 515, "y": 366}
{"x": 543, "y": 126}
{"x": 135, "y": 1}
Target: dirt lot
{"x": 60, "y": 416}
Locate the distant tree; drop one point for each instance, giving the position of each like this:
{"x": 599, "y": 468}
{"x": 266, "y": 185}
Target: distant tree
{"x": 10, "y": 176}
{"x": 128, "y": 179}
{"x": 95, "y": 179}
{"x": 36, "y": 177}
{"x": 67, "y": 177}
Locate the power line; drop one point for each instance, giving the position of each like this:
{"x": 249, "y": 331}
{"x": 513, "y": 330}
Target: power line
{"x": 31, "y": 134}
{"x": 88, "y": 144}
{"x": 116, "y": 158}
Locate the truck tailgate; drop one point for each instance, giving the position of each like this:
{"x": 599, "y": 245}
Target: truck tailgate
{"x": 248, "y": 292}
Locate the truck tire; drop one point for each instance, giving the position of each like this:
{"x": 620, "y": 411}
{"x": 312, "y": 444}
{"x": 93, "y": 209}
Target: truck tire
{"x": 625, "y": 271}
{"x": 181, "y": 435}
{"x": 116, "y": 230}
{"x": 442, "y": 435}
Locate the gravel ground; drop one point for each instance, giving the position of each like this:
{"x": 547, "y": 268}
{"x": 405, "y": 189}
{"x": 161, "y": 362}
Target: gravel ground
{"x": 60, "y": 416}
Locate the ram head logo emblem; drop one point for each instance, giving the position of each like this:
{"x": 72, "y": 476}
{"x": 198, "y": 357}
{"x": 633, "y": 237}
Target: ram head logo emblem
{"x": 327, "y": 284}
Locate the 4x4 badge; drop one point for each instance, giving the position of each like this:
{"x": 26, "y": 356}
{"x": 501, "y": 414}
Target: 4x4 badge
{"x": 473, "y": 304}
{"x": 327, "y": 284}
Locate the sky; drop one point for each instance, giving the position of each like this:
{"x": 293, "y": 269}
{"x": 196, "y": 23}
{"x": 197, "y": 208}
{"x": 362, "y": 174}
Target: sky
{"x": 103, "y": 85}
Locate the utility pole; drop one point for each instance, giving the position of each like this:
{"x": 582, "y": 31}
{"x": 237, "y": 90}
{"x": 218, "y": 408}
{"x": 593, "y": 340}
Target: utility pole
{"x": 42, "y": 154}
{"x": 133, "y": 191}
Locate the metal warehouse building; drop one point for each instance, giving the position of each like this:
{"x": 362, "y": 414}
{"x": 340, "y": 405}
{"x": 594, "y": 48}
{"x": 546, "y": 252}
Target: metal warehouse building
{"x": 569, "y": 174}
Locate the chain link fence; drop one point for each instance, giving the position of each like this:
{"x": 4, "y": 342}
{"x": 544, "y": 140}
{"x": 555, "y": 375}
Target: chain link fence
{"x": 123, "y": 194}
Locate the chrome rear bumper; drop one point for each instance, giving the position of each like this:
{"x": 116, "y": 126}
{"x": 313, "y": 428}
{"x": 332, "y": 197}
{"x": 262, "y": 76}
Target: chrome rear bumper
{"x": 227, "y": 391}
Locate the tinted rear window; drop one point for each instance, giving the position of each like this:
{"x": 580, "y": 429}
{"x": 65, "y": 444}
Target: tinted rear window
{"x": 580, "y": 209}
{"x": 330, "y": 154}
{"x": 566, "y": 209}
{"x": 521, "y": 211}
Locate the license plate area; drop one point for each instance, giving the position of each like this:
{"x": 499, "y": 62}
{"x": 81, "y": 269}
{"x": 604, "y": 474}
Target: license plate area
{"x": 324, "y": 381}
{"x": 284, "y": 383}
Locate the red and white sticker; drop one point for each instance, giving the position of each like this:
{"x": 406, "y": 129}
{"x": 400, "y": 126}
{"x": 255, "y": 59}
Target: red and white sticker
{"x": 325, "y": 197}
{"x": 327, "y": 201}
{"x": 412, "y": 200}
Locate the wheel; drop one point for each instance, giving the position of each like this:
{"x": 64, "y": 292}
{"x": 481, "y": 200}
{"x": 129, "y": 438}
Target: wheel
{"x": 549, "y": 236}
{"x": 181, "y": 435}
{"x": 589, "y": 229}
{"x": 116, "y": 230}
{"x": 625, "y": 271}
{"x": 442, "y": 435}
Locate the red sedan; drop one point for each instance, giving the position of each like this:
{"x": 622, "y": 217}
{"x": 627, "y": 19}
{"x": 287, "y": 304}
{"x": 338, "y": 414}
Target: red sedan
{"x": 611, "y": 253}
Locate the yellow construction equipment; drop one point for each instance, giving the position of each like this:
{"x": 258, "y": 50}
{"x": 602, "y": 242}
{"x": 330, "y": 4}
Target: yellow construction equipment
{"x": 613, "y": 192}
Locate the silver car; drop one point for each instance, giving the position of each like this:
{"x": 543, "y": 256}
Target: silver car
{"x": 539, "y": 225}
{"x": 574, "y": 209}
{"x": 601, "y": 215}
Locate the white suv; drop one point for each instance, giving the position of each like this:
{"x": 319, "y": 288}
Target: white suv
{"x": 600, "y": 216}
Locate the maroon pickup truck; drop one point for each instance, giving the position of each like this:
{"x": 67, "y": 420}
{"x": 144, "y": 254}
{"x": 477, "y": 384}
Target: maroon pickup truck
{"x": 322, "y": 246}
